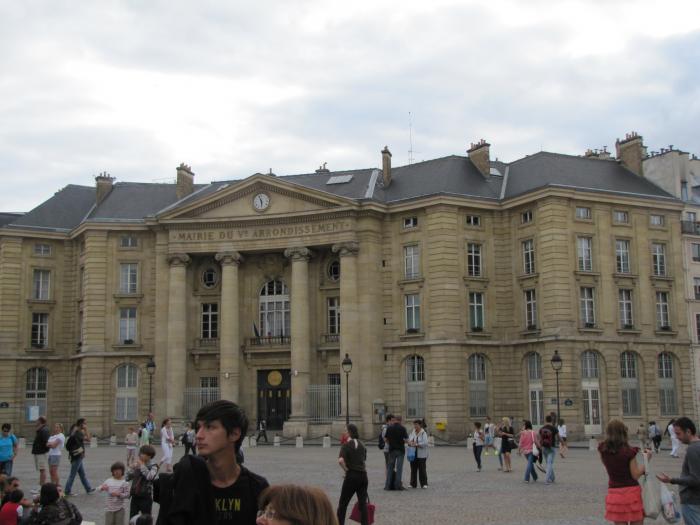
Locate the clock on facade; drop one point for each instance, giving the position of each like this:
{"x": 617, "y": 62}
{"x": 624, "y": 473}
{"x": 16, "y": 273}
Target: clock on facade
{"x": 261, "y": 201}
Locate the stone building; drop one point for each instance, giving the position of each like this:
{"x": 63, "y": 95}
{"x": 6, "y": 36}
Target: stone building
{"x": 449, "y": 283}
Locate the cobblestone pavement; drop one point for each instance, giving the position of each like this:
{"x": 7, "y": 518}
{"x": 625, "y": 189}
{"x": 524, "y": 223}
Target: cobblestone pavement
{"x": 458, "y": 494}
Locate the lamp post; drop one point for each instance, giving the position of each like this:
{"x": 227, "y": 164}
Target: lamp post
{"x": 151, "y": 369}
{"x": 347, "y": 367}
{"x": 556, "y": 365}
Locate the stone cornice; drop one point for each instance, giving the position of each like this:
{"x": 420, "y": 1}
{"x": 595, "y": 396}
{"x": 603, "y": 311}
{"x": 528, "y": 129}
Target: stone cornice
{"x": 346, "y": 249}
{"x": 178, "y": 259}
{"x": 300, "y": 253}
{"x": 228, "y": 258}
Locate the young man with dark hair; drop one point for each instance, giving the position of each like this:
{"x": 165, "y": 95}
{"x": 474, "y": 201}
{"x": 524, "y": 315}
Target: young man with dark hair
{"x": 40, "y": 450}
{"x": 212, "y": 488}
{"x": 689, "y": 480}
{"x": 396, "y": 438}
{"x": 547, "y": 435}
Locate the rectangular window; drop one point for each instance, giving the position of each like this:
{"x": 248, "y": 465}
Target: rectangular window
{"x": 630, "y": 402}
{"x": 411, "y": 257}
{"x": 625, "y": 306}
{"x": 476, "y": 311}
{"x": 656, "y": 220}
{"x": 583, "y": 212}
{"x": 526, "y": 217}
{"x": 621, "y": 217}
{"x": 622, "y": 256}
{"x": 697, "y": 328}
{"x": 413, "y": 313}
{"x": 127, "y": 325}
{"x": 663, "y": 321}
{"x": 530, "y": 310}
{"x": 585, "y": 255}
{"x": 696, "y": 287}
{"x": 42, "y": 249}
{"x": 210, "y": 320}
{"x": 587, "y": 307}
{"x": 537, "y": 406}
{"x": 36, "y": 393}
{"x": 208, "y": 389}
{"x": 667, "y": 401}
{"x": 128, "y": 241}
{"x": 128, "y": 278}
{"x": 40, "y": 330}
{"x": 334, "y": 315}
{"x": 691, "y": 216}
{"x": 474, "y": 260}
{"x": 473, "y": 220}
{"x": 410, "y": 222}
{"x": 658, "y": 259}
{"x": 529, "y": 257}
{"x": 41, "y": 285}
{"x": 696, "y": 252}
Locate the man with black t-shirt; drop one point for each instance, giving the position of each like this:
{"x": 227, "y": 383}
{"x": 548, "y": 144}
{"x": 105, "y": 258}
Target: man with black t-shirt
{"x": 395, "y": 437}
{"x": 548, "y": 435}
{"x": 213, "y": 489}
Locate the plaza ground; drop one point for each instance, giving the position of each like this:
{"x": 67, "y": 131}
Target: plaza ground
{"x": 457, "y": 494}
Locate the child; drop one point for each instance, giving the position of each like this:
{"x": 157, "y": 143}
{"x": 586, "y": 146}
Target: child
{"x": 478, "y": 445}
{"x": 141, "y": 476}
{"x": 117, "y": 490}
{"x": 132, "y": 439}
{"x": 12, "y": 511}
{"x": 144, "y": 436}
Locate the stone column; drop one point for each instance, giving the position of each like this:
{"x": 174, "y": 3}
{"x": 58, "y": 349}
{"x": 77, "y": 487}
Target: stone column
{"x": 349, "y": 325}
{"x": 301, "y": 344}
{"x": 229, "y": 327}
{"x": 176, "y": 361}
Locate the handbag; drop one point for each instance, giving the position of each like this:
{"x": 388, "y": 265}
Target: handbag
{"x": 669, "y": 505}
{"x": 411, "y": 453}
{"x": 651, "y": 492}
{"x": 355, "y": 513}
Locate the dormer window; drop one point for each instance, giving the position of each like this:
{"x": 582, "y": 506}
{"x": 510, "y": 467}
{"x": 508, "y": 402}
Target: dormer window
{"x": 410, "y": 222}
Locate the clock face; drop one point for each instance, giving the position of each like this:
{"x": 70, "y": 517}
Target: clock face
{"x": 261, "y": 201}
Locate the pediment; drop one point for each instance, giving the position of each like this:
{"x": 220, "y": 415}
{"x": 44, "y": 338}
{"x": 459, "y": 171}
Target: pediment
{"x": 235, "y": 200}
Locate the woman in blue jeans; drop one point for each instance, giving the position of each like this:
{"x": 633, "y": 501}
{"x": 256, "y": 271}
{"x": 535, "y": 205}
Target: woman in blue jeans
{"x": 76, "y": 452}
{"x": 528, "y": 438}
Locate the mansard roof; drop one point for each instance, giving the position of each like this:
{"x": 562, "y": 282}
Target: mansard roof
{"x": 62, "y": 212}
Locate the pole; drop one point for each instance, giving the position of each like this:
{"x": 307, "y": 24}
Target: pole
{"x": 150, "y": 393}
{"x": 347, "y": 399}
{"x": 558, "y": 408}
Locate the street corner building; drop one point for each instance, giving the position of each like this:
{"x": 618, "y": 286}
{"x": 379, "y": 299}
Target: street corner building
{"x": 450, "y": 284}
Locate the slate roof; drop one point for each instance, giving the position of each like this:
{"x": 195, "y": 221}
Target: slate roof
{"x": 6, "y": 218}
{"x": 63, "y": 212}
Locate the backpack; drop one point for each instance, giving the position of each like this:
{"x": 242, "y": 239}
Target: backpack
{"x": 546, "y": 437}
{"x": 380, "y": 442}
{"x": 73, "y": 447}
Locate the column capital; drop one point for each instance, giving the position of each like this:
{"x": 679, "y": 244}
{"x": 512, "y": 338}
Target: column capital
{"x": 178, "y": 259}
{"x": 346, "y": 249}
{"x": 298, "y": 253}
{"x": 226, "y": 258}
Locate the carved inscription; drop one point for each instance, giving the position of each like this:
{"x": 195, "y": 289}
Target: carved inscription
{"x": 267, "y": 232}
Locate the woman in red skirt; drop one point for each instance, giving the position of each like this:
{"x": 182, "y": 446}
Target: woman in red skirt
{"x": 623, "y": 504}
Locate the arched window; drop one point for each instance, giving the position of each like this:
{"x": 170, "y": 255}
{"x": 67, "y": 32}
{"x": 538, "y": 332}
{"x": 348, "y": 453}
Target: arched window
{"x": 36, "y": 393}
{"x": 629, "y": 384}
{"x": 478, "y": 393}
{"x": 127, "y": 393}
{"x": 534, "y": 376}
{"x": 589, "y": 365}
{"x": 590, "y": 393}
{"x": 415, "y": 387}
{"x": 667, "y": 385}
{"x": 274, "y": 309}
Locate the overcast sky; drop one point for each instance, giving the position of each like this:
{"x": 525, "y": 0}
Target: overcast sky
{"x": 234, "y": 88}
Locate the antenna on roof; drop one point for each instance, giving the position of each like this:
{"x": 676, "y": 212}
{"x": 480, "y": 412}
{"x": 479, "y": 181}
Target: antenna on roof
{"x": 410, "y": 138}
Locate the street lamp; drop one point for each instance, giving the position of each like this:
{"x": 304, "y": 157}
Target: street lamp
{"x": 557, "y": 363}
{"x": 151, "y": 369}
{"x": 347, "y": 367}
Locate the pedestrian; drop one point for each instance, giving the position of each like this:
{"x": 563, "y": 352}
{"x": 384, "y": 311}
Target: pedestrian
{"x": 547, "y": 439}
{"x": 655, "y": 435}
{"x": 117, "y": 489}
{"x": 418, "y": 439}
{"x": 131, "y": 441}
{"x": 40, "y": 450}
{"x": 478, "y": 444}
{"x": 12, "y": 512}
{"x": 262, "y": 430}
{"x": 9, "y": 445}
{"x": 150, "y": 425}
{"x": 507, "y": 434}
{"x": 167, "y": 440}
{"x": 144, "y": 435}
{"x": 141, "y": 475}
{"x": 188, "y": 439}
{"x": 293, "y": 504}
{"x": 351, "y": 459}
{"x": 489, "y": 436}
{"x": 675, "y": 443}
{"x": 53, "y": 509}
{"x": 528, "y": 440}
{"x": 382, "y": 440}
{"x": 561, "y": 432}
{"x": 623, "y": 503}
{"x": 396, "y": 438}
{"x": 689, "y": 480}
{"x": 56, "y": 443}
{"x": 202, "y": 486}
{"x": 75, "y": 446}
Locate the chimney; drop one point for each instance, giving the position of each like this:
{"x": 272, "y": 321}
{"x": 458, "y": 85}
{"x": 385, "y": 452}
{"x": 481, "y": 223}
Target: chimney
{"x": 185, "y": 181}
{"x": 386, "y": 166}
{"x": 602, "y": 154}
{"x": 103, "y": 184}
{"x": 631, "y": 152}
{"x": 479, "y": 155}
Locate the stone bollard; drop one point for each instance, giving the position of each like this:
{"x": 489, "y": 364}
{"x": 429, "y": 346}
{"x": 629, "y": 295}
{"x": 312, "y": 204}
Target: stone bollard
{"x": 593, "y": 444}
{"x": 326, "y": 442}
{"x": 300, "y": 442}
{"x": 253, "y": 442}
{"x": 93, "y": 442}
{"x": 277, "y": 441}
{"x": 22, "y": 442}
{"x": 112, "y": 440}
{"x": 431, "y": 440}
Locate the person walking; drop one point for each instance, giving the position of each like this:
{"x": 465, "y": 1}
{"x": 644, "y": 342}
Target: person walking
{"x": 396, "y": 438}
{"x": 489, "y": 436}
{"x": 528, "y": 440}
{"x": 385, "y": 447}
{"x": 418, "y": 439}
{"x": 675, "y": 443}
{"x": 351, "y": 459}
{"x": 40, "y": 450}
{"x": 76, "y": 453}
{"x": 623, "y": 503}
{"x": 150, "y": 425}
{"x": 131, "y": 440}
{"x": 9, "y": 445}
{"x": 55, "y": 443}
{"x": 262, "y": 430}
{"x": 547, "y": 438}
{"x": 689, "y": 480}
{"x": 188, "y": 439}
{"x": 563, "y": 446}
{"x": 167, "y": 440}
{"x": 507, "y": 434}
{"x": 655, "y": 435}
{"x": 478, "y": 444}
{"x": 144, "y": 435}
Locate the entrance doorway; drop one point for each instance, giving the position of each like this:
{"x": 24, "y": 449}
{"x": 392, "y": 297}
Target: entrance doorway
{"x": 591, "y": 411}
{"x": 274, "y": 397}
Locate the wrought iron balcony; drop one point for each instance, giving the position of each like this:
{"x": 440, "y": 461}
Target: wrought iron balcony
{"x": 270, "y": 340}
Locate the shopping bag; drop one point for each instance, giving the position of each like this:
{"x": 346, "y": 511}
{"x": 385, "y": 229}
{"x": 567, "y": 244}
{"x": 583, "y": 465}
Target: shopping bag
{"x": 669, "y": 505}
{"x": 411, "y": 453}
{"x": 651, "y": 493}
{"x": 356, "y": 516}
